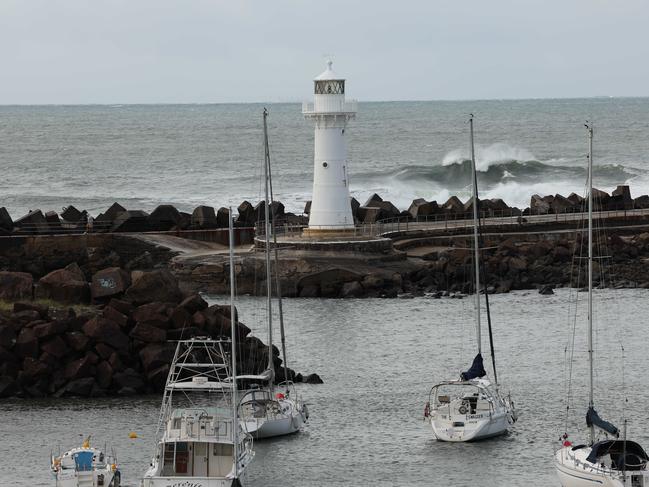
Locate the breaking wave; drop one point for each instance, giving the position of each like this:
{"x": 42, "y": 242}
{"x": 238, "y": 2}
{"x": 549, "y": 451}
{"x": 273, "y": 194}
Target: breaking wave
{"x": 506, "y": 172}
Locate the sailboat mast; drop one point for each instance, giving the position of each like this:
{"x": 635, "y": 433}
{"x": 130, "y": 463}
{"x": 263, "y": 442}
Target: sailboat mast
{"x": 269, "y": 282}
{"x": 476, "y": 249}
{"x": 233, "y": 338}
{"x": 590, "y": 275}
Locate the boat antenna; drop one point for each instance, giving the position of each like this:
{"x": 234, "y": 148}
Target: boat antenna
{"x": 589, "y": 127}
{"x": 233, "y": 338}
{"x": 269, "y": 282}
{"x": 278, "y": 284}
{"x": 478, "y": 226}
{"x": 476, "y": 249}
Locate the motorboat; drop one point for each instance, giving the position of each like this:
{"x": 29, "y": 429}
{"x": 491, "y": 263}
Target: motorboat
{"x": 85, "y": 466}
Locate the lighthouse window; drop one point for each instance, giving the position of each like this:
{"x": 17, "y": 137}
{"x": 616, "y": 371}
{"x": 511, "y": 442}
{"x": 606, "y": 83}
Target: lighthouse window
{"x": 330, "y": 87}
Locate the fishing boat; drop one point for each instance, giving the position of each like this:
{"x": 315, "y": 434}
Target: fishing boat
{"x": 201, "y": 440}
{"x": 85, "y": 466}
{"x": 606, "y": 461}
{"x": 268, "y": 409}
{"x": 471, "y": 407}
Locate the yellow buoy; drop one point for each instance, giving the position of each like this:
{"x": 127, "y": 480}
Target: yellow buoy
{"x": 132, "y": 435}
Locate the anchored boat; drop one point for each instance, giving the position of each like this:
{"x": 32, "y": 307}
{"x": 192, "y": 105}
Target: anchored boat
{"x": 85, "y": 466}
{"x": 201, "y": 440}
{"x": 471, "y": 407}
{"x": 608, "y": 461}
{"x": 268, "y": 409}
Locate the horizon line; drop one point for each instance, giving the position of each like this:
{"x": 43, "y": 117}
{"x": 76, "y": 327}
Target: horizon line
{"x": 293, "y": 102}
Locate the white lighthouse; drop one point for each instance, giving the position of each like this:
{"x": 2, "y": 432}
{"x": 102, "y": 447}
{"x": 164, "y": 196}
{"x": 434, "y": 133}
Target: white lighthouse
{"x": 330, "y": 204}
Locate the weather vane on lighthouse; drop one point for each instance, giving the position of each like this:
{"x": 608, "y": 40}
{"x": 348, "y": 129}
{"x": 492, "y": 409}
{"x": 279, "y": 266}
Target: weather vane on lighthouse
{"x": 330, "y": 204}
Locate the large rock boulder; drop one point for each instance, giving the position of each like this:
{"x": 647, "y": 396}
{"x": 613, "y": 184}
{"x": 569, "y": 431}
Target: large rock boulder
{"x": 421, "y": 208}
{"x": 105, "y": 331}
{"x": 329, "y": 282}
{"x": 453, "y": 205}
{"x": 641, "y": 202}
{"x": 6, "y": 223}
{"x": 163, "y": 218}
{"x": 32, "y": 222}
{"x": 601, "y": 199}
{"x": 369, "y": 214}
{"x": 109, "y": 282}
{"x": 16, "y": 285}
{"x": 53, "y": 221}
{"x": 538, "y": 205}
{"x": 71, "y": 215}
{"x": 156, "y": 355}
{"x": 388, "y": 210}
{"x": 63, "y": 285}
{"x": 246, "y": 214}
{"x": 145, "y": 332}
{"x": 373, "y": 201}
{"x": 622, "y": 196}
{"x": 130, "y": 221}
{"x": 203, "y": 218}
{"x": 576, "y": 200}
{"x": 157, "y": 285}
{"x": 105, "y": 220}
{"x": 223, "y": 217}
{"x": 560, "y": 204}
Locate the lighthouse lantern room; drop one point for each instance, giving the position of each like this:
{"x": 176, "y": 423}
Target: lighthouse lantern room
{"x": 330, "y": 203}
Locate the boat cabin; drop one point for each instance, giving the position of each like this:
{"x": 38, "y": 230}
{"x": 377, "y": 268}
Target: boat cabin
{"x": 197, "y": 443}
{"x": 462, "y": 398}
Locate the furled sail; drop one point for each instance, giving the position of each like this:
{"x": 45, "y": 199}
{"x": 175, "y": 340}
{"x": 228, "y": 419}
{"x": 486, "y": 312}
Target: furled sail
{"x": 593, "y": 419}
{"x": 476, "y": 370}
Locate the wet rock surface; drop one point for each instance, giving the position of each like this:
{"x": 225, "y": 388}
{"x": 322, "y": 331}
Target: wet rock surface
{"x": 116, "y": 348}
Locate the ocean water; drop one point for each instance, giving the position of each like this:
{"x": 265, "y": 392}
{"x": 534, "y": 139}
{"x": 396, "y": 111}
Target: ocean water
{"x": 379, "y": 359}
{"x": 145, "y": 155}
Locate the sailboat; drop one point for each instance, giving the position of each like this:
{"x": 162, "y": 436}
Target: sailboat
{"x": 202, "y": 441}
{"x": 268, "y": 409}
{"x": 608, "y": 462}
{"x": 471, "y": 408}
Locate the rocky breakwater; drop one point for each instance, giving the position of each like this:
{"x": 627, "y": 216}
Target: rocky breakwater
{"x": 119, "y": 342}
{"x": 522, "y": 262}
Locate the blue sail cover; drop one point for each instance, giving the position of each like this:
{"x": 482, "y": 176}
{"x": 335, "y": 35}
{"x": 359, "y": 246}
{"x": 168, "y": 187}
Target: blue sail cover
{"x": 593, "y": 419}
{"x": 476, "y": 370}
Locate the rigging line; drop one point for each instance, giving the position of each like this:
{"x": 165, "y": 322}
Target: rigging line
{"x": 480, "y": 267}
{"x": 278, "y": 285}
{"x": 269, "y": 283}
{"x": 575, "y": 293}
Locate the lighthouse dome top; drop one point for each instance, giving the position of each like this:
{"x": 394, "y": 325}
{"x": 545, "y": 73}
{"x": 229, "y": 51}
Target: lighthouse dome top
{"x": 328, "y": 74}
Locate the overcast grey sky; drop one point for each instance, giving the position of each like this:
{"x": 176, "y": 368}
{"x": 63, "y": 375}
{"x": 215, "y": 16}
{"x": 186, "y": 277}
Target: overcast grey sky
{"x": 186, "y": 51}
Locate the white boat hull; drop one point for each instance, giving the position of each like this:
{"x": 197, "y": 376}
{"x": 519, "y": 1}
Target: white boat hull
{"x": 271, "y": 427}
{"x": 475, "y": 428}
{"x": 192, "y": 481}
{"x": 574, "y": 471}
{"x": 84, "y": 479}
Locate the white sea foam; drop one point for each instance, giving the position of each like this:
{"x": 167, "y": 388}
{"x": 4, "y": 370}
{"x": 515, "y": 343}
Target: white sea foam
{"x": 486, "y": 156}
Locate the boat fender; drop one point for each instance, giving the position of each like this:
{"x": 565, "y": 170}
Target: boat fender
{"x": 427, "y": 409}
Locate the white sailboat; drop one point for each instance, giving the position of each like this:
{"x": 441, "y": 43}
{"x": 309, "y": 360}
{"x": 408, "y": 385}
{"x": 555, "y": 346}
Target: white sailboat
{"x": 202, "y": 443}
{"x": 85, "y": 466}
{"x": 471, "y": 408}
{"x": 268, "y": 409}
{"x": 607, "y": 462}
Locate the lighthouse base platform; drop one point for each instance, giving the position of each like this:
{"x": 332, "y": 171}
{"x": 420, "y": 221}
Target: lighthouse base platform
{"x": 331, "y": 242}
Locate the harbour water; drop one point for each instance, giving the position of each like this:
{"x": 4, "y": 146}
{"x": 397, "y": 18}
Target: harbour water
{"x": 378, "y": 359}
{"x": 144, "y": 155}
